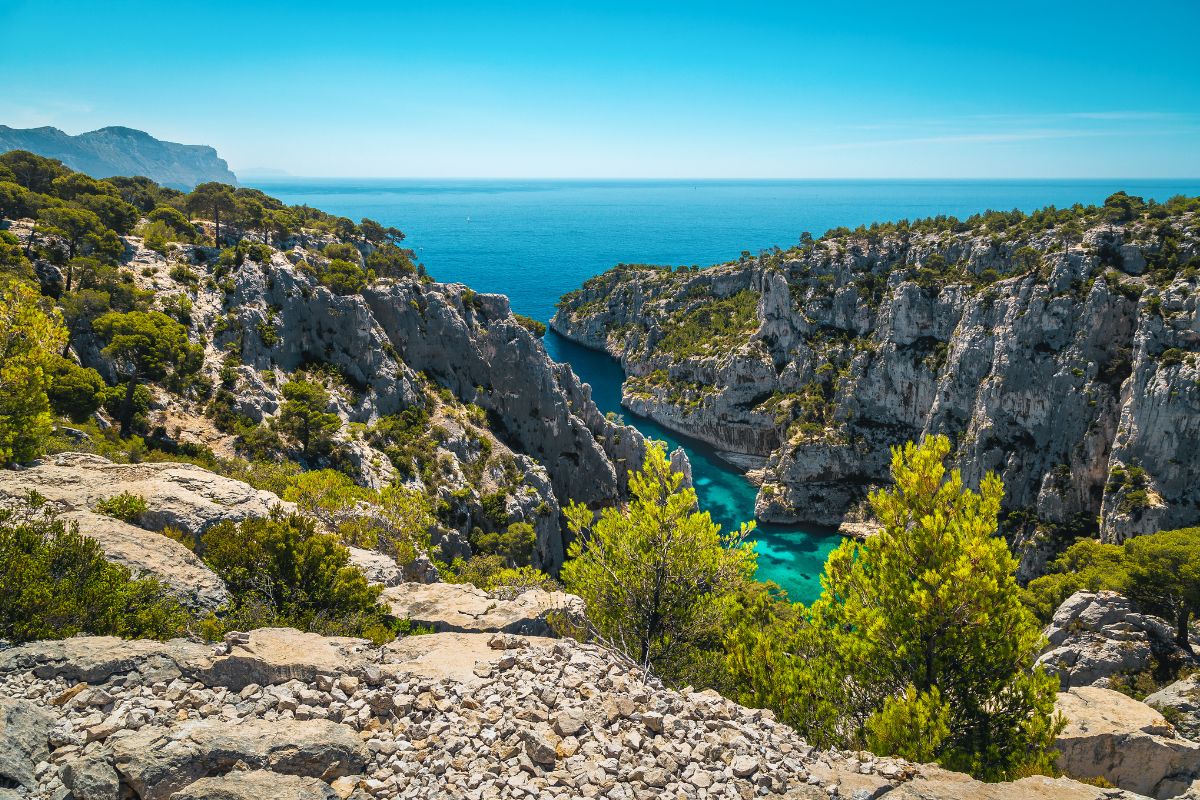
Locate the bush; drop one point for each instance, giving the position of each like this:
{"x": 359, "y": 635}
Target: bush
{"x": 343, "y": 277}
{"x": 281, "y": 571}
{"x": 490, "y": 573}
{"x": 536, "y": 327}
{"x": 124, "y": 506}
{"x": 55, "y": 583}
{"x": 390, "y": 261}
{"x": 343, "y": 251}
{"x": 514, "y": 546}
{"x": 76, "y": 392}
{"x": 1087, "y": 565}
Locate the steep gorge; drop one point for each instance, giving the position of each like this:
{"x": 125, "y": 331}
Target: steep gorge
{"x": 1058, "y": 351}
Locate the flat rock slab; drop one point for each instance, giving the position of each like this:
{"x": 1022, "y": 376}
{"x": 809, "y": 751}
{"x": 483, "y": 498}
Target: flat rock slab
{"x": 182, "y": 496}
{"x": 258, "y": 784}
{"x": 1126, "y": 742}
{"x": 158, "y": 762}
{"x": 95, "y": 659}
{"x": 445, "y": 655}
{"x": 264, "y": 656}
{"x": 939, "y": 784}
{"x": 461, "y": 607}
{"x": 276, "y": 655}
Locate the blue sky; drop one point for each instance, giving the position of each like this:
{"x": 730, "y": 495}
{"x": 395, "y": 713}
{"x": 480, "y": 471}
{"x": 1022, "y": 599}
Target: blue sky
{"x": 615, "y": 89}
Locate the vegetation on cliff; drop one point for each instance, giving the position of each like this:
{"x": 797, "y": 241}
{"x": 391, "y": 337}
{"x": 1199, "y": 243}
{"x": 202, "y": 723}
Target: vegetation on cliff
{"x": 79, "y": 287}
{"x": 1010, "y": 332}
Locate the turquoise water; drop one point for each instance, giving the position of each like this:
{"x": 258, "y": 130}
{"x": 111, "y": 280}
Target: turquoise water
{"x": 536, "y": 240}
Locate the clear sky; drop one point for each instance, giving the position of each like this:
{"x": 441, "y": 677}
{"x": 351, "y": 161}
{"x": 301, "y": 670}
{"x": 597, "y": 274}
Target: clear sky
{"x": 1053, "y": 88}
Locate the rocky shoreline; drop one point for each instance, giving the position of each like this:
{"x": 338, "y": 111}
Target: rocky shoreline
{"x": 1071, "y": 372}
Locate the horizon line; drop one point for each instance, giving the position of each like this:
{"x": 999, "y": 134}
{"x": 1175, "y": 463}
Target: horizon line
{"x": 266, "y": 175}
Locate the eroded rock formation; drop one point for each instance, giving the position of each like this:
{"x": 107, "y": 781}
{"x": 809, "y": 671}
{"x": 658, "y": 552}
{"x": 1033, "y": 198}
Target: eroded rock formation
{"x": 1070, "y": 371}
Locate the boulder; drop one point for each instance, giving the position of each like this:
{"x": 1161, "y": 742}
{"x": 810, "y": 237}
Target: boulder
{"x": 1097, "y": 635}
{"x": 158, "y": 761}
{"x": 275, "y": 655}
{"x": 1180, "y": 703}
{"x": 181, "y": 496}
{"x": 91, "y": 777}
{"x": 1127, "y": 743}
{"x": 24, "y": 737}
{"x": 466, "y": 608}
{"x": 939, "y": 784}
{"x": 256, "y": 784}
{"x": 151, "y": 554}
{"x": 377, "y": 567}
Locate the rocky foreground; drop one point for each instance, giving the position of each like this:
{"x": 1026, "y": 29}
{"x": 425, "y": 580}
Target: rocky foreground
{"x": 282, "y": 714}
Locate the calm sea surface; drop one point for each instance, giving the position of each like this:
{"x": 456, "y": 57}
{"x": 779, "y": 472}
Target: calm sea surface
{"x": 535, "y": 240}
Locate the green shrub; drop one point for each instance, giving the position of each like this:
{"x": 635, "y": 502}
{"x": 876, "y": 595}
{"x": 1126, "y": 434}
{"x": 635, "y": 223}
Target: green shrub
{"x": 124, "y": 506}
{"x": 390, "y": 261}
{"x": 76, "y": 392}
{"x": 184, "y": 275}
{"x": 1170, "y": 357}
{"x": 55, "y": 583}
{"x": 536, "y": 327}
{"x": 281, "y": 571}
{"x": 343, "y": 251}
{"x": 1087, "y": 565}
{"x": 343, "y": 277}
{"x": 514, "y": 545}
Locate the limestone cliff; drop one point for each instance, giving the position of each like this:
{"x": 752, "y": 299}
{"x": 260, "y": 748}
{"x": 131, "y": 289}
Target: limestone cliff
{"x": 116, "y": 150}
{"x": 437, "y": 386}
{"x": 1060, "y": 354}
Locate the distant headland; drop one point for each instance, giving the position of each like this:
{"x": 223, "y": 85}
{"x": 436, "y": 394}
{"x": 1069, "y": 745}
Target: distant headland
{"x": 117, "y": 150}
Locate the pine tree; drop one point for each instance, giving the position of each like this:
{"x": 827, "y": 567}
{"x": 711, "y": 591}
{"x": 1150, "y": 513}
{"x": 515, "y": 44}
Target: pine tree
{"x": 652, "y": 574}
{"x": 920, "y": 628}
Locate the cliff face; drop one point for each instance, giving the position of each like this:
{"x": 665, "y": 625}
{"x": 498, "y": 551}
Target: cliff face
{"x": 1070, "y": 372}
{"x": 479, "y": 407}
{"x": 113, "y": 151}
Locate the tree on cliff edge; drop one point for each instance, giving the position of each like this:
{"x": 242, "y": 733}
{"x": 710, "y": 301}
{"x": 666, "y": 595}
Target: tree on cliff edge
{"x": 652, "y": 575}
{"x": 919, "y": 645}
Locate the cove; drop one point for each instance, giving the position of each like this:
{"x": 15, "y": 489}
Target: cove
{"x": 792, "y": 557}
{"x": 534, "y": 240}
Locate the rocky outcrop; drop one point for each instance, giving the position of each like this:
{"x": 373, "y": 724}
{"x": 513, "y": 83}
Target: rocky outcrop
{"x": 256, "y": 784}
{"x": 1065, "y": 370}
{"x": 24, "y": 734}
{"x": 1180, "y": 702}
{"x": 181, "y": 496}
{"x": 1127, "y": 743}
{"x": 1096, "y": 636}
{"x": 115, "y": 150}
{"x": 497, "y": 416}
{"x": 445, "y": 715}
{"x": 156, "y": 761}
{"x": 469, "y": 609}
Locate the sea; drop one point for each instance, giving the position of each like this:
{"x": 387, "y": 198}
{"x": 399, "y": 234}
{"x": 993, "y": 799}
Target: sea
{"x": 535, "y": 240}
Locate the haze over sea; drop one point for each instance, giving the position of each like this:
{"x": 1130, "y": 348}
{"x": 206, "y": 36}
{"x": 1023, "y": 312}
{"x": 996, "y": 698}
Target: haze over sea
{"x": 535, "y": 240}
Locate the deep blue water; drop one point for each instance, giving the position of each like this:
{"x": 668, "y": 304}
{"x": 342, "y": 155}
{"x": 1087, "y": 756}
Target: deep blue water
{"x": 535, "y": 240}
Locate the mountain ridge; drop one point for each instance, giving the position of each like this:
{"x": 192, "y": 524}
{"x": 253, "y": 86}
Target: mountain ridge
{"x": 120, "y": 150}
